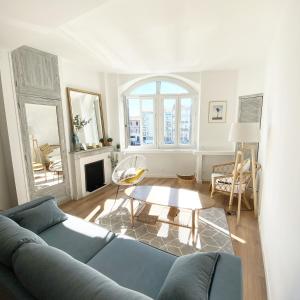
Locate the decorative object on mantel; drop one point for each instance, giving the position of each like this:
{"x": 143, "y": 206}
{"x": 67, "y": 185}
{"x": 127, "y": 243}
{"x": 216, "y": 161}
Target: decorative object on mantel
{"x": 106, "y": 142}
{"x": 85, "y": 112}
{"x": 78, "y": 124}
{"x": 245, "y": 133}
{"x": 109, "y": 141}
{"x": 217, "y": 111}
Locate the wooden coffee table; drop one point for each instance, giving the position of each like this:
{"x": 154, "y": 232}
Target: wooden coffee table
{"x": 170, "y": 197}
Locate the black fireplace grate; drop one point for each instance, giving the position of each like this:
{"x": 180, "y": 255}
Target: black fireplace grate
{"x": 94, "y": 175}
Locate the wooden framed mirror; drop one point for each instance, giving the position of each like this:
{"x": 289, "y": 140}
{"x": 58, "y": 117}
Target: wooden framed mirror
{"x": 86, "y": 117}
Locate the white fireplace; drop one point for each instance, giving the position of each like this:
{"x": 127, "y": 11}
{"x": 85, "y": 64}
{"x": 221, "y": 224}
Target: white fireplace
{"x": 80, "y": 161}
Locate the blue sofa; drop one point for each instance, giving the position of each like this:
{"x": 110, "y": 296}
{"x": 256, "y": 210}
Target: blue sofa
{"x": 73, "y": 253}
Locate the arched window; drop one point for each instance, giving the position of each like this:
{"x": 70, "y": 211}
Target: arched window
{"x": 160, "y": 112}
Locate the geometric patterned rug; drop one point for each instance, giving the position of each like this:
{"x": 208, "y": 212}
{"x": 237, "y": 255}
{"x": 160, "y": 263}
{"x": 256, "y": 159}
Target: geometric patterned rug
{"x": 212, "y": 234}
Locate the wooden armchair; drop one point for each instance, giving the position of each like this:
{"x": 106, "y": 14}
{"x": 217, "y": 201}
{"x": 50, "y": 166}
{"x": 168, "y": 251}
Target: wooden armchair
{"x": 233, "y": 179}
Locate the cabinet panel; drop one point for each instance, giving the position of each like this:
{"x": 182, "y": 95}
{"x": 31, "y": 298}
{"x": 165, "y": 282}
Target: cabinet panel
{"x": 36, "y": 73}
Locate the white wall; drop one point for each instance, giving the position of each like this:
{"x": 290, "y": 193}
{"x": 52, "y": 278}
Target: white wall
{"x": 251, "y": 80}
{"x": 77, "y": 77}
{"x": 13, "y": 147}
{"x": 217, "y": 86}
{"x": 280, "y": 207}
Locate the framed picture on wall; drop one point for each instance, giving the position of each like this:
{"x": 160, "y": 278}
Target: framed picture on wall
{"x": 217, "y": 111}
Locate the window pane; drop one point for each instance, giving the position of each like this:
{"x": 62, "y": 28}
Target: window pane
{"x": 148, "y": 121}
{"x": 185, "y": 121}
{"x": 134, "y": 122}
{"x": 169, "y": 121}
{"x": 168, "y": 87}
{"x": 145, "y": 89}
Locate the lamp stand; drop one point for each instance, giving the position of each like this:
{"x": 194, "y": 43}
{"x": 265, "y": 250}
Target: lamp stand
{"x": 239, "y": 159}
{"x": 253, "y": 167}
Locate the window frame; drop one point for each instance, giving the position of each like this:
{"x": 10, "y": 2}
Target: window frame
{"x": 158, "y": 114}
{"x": 127, "y": 126}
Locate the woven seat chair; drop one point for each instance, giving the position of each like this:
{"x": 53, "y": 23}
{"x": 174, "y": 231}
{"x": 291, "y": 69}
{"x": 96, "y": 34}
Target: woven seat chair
{"x": 222, "y": 178}
{"x": 130, "y": 171}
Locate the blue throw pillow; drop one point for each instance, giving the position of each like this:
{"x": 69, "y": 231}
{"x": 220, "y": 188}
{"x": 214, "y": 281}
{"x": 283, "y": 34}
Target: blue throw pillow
{"x": 190, "y": 277}
{"x": 12, "y": 236}
{"x": 41, "y": 217}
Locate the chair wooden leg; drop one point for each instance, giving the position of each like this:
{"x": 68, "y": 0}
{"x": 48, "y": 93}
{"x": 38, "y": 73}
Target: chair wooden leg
{"x": 246, "y": 201}
{"x": 117, "y": 192}
{"x": 239, "y": 208}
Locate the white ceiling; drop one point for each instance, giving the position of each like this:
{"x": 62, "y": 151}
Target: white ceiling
{"x": 144, "y": 36}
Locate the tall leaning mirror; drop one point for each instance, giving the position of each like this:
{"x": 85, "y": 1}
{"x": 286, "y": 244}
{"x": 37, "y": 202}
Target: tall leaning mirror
{"x": 44, "y": 146}
{"x": 86, "y": 118}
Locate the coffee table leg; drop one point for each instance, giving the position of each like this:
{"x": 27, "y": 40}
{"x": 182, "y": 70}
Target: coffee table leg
{"x": 193, "y": 225}
{"x": 131, "y": 211}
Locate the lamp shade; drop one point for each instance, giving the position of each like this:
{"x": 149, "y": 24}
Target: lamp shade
{"x": 244, "y": 132}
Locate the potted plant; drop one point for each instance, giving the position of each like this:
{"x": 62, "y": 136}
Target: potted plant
{"x": 78, "y": 123}
{"x": 109, "y": 141}
{"x": 102, "y": 141}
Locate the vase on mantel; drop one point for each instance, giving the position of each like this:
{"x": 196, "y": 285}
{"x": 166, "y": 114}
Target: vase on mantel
{"x": 76, "y": 143}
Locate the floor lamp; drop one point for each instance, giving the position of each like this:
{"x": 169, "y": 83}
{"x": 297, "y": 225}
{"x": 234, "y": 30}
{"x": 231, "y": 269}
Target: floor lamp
{"x": 245, "y": 133}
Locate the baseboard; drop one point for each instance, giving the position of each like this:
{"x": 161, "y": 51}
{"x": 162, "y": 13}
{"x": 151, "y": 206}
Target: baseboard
{"x": 159, "y": 175}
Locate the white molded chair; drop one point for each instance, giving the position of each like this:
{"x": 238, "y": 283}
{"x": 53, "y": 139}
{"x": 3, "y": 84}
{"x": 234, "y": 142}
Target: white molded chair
{"x": 129, "y": 171}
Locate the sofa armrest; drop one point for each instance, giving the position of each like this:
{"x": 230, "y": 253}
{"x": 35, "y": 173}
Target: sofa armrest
{"x": 228, "y": 279}
{"x": 10, "y": 212}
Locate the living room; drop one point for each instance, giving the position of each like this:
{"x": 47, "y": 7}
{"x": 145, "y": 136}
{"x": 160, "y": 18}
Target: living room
{"x": 150, "y": 145}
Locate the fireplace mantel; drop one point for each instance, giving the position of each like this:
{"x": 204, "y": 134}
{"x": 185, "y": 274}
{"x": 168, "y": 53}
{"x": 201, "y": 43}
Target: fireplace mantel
{"x": 80, "y": 159}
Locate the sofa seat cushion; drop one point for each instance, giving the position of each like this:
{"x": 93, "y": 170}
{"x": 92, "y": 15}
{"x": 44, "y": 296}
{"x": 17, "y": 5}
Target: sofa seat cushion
{"x": 134, "y": 265}
{"x": 13, "y": 236}
{"x": 40, "y": 217}
{"x": 49, "y": 273}
{"x": 80, "y": 239}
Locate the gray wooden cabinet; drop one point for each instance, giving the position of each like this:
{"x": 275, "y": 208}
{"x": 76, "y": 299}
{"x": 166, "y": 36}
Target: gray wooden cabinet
{"x": 36, "y": 73}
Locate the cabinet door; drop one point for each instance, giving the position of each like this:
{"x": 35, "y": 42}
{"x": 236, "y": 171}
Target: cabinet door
{"x": 36, "y": 73}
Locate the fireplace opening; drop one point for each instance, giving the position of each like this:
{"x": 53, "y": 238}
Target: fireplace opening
{"x": 94, "y": 175}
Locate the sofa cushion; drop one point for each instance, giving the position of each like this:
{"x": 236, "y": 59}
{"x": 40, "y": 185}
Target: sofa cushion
{"x": 227, "y": 283}
{"x": 11, "y": 287}
{"x": 12, "y": 211}
{"x": 13, "y": 236}
{"x": 190, "y": 277}
{"x": 41, "y": 217}
{"x": 134, "y": 265}
{"x": 49, "y": 273}
{"x": 80, "y": 239}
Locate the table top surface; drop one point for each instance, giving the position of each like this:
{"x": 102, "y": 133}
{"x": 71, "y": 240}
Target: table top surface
{"x": 167, "y": 196}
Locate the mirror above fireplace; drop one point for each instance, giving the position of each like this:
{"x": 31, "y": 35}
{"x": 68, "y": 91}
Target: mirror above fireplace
{"x": 86, "y": 117}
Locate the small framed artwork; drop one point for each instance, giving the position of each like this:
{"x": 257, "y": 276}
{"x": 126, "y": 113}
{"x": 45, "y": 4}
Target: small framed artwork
{"x": 217, "y": 111}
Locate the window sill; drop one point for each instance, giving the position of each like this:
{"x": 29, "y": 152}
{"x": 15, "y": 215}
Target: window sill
{"x": 160, "y": 151}
{"x": 179, "y": 150}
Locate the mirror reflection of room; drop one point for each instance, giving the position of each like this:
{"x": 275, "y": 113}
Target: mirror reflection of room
{"x": 86, "y": 117}
{"x": 44, "y": 144}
